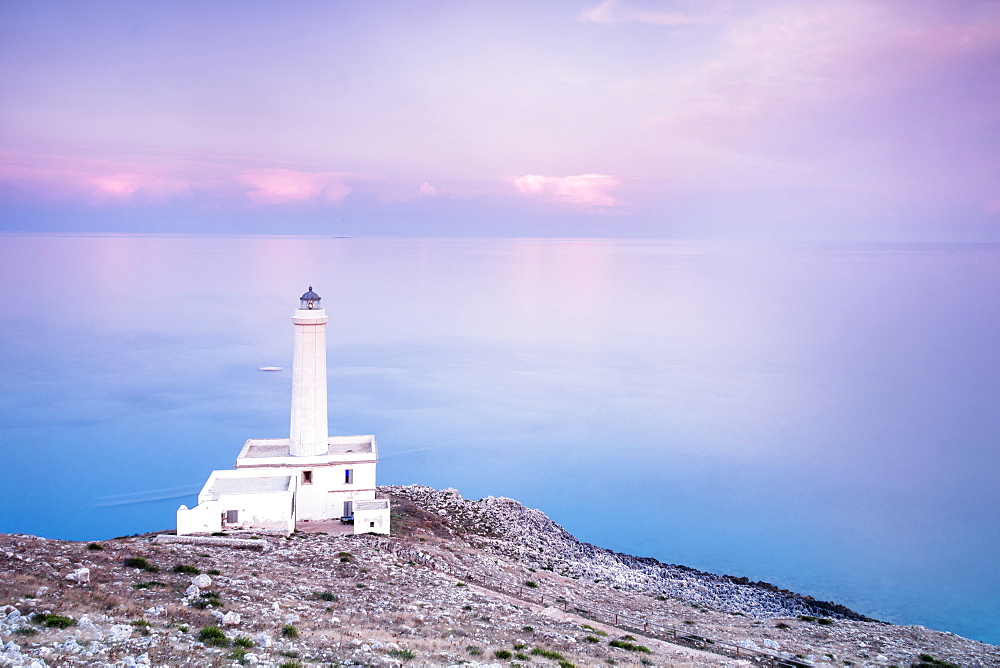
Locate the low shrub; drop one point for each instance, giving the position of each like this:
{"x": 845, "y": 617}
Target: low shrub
{"x": 782, "y": 625}
{"x": 548, "y": 654}
{"x": 243, "y": 641}
{"x": 592, "y": 639}
{"x": 55, "y": 621}
{"x": 519, "y": 646}
{"x": 502, "y": 654}
{"x": 474, "y": 650}
{"x": 140, "y": 563}
{"x": 149, "y": 585}
{"x": 528, "y": 629}
{"x": 95, "y": 547}
{"x": 928, "y": 661}
{"x": 213, "y": 636}
{"x": 25, "y": 631}
{"x": 622, "y": 644}
{"x": 325, "y": 595}
{"x": 214, "y": 572}
{"x": 532, "y": 584}
{"x": 289, "y": 631}
{"x": 186, "y": 569}
{"x": 403, "y": 654}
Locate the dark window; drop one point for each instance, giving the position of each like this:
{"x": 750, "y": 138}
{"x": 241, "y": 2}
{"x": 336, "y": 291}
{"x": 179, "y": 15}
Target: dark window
{"x": 232, "y": 516}
{"x": 348, "y": 476}
{"x": 307, "y": 477}
{"x": 371, "y": 524}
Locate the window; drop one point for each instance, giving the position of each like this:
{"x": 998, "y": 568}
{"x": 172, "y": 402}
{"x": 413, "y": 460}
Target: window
{"x": 232, "y": 516}
{"x": 371, "y": 524}
{"x": 307, "y": 477}
{"x": 348, "y": 476}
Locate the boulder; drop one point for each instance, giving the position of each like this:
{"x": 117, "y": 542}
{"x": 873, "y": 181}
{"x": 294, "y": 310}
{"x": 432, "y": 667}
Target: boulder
{"x": 201, "y": 581}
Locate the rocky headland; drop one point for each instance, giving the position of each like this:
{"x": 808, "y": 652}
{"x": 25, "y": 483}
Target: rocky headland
{"x": 485, "y": 582}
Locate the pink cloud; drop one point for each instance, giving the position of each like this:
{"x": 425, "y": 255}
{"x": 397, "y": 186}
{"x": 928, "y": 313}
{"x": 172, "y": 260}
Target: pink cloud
{"x": 427, "y": 189}
{"x": 615, "y": 11}
{"x": 281, "y": 186}
{"x": 582, "y": 189}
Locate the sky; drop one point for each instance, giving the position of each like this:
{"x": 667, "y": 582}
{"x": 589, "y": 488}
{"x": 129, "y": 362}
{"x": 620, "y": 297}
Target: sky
{"x": 804, "y": 120}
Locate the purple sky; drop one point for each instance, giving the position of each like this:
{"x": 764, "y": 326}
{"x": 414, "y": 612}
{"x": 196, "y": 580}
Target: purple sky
{"x": 791, "y": 120}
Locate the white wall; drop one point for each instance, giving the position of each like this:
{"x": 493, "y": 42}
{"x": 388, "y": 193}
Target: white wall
{"x": 324, "y": 498}
{"x": 371, "y": 521}
{"x": 203, "y": 518}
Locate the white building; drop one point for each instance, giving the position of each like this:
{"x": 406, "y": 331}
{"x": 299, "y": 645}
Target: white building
{"x": 309, "y": 476}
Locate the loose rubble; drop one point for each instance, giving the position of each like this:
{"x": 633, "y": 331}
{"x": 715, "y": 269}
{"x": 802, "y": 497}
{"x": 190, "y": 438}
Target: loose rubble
{"x": 317, "y": 599}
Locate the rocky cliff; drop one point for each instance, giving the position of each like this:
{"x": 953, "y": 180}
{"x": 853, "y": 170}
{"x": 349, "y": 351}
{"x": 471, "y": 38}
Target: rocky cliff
{"x": 485, "y": 582}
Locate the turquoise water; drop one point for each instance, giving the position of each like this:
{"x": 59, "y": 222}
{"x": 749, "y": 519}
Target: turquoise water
{"x": 821, "y": 417}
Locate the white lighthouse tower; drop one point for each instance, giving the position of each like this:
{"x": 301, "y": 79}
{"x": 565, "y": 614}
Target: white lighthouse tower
{"x": 308, "y": 477}
{"x": 309, "y": 422}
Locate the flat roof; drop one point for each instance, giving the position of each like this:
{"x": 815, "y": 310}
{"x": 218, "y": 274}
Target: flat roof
{"x": 261, "y": 448}
{"x": 250, "y": 485}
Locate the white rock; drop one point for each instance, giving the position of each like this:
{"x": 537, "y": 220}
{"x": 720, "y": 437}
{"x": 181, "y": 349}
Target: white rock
{"x": 143, "y": 659}
{"x": 192, "y": 591}
{"x": 217, "y": 614}
{"x": 80, "y": 576}
{"x": 767, "y": 642}
{"x": 119, "y": 632}
{"x": 263, "y": 640}
{"x": 252, "y": 659}
{"x": 231, "y": 619}
{"x": 156, "y": 611}
{"x": 201, "y": 581}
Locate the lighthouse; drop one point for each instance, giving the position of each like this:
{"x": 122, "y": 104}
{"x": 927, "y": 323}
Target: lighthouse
{"x": 280, "y": 484}
{"x": 308, "y": 431}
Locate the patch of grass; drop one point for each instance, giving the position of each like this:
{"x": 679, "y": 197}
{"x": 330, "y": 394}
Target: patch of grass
{"x": 345, "y": 557}
{"x": 240, "y": 655}
{"x": 646, "y": 662}
{"x": 289, "y": 654}
{"x": 95, "y": 547}
{"x": 808, "y": 618}
{"x": 521, "y": 657}
{"x": 689, "y": 622}
{"x": 141, "y": 625}
{"x": 187, "y": 569}
{"x": 140, "y": 563}
{"x": 213, "y": 571}
{"x": 528, "y": 629}
{"x": 403, "y": 654}
{"x": 548, "y": 568}
{"x": 213, "y": 636}
{"x": 325, "y": 595}
{"x": 208, "y": 598}
{"x": 219, "y": 533}
{"x": 502, "y": 654}
{"x": 25, "y": 631}
{"x": 361, "y": 585}
{"x": 289, "y": 631}
{"x": 928, "y": 661}
{"x": 520, "y": 646}
{"x": 622, "y": 644}
{"x": 467, "y": 607}
{"x": 782, "y": 625}
{"x": 243, "y": 641}
{"x": 592, "y": 639}
{"x": 566, "y": 664}
{"x": 459, "y": 584}
{"x": 531, "y": 584}
{"x": 149, "y": 585}
{"x": 55, "y": 621}
{"x": 289, "y": 664}
{"x": 628, "y": 637}
{"x": 825, "y": 621}
{"x": 474, "y": 650}
{"x": 548, "y": 654}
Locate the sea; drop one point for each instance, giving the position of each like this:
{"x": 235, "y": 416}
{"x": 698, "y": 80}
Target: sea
{"x": 823, "y": 417}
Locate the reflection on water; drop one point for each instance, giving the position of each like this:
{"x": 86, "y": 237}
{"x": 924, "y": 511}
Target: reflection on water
{"x": 821, "y": 417}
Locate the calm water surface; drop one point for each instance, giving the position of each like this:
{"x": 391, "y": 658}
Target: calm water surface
{"x": 821, "y": 417}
